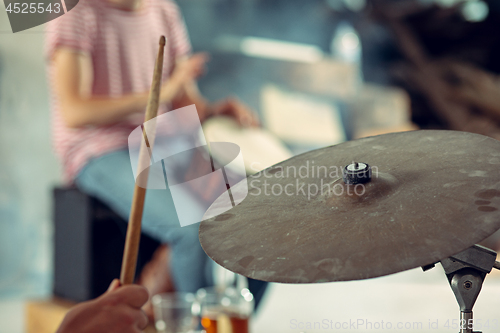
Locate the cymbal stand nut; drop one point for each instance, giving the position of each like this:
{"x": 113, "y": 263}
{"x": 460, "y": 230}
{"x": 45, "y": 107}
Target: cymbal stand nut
{"x": 357, "y": 173}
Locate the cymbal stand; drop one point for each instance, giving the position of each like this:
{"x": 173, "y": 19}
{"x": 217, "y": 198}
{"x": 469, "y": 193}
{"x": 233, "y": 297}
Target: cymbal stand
{"x": 466, "y": 272}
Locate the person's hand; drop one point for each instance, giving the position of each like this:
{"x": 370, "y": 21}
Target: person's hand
{"x": 191, "y": 68}
{"x": 234, "y": 108}
{"x": 186, "y": 70}
{"x": 116, "y": 311}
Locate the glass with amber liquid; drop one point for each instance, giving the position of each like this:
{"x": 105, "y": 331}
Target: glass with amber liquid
{"x": 225, "y": 310}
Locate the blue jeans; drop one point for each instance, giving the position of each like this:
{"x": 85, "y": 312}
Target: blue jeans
{"x": 110, "y": 179}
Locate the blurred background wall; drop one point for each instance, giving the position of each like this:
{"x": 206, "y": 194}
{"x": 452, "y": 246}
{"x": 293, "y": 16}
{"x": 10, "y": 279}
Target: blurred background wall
{"x": 28, "y": 168}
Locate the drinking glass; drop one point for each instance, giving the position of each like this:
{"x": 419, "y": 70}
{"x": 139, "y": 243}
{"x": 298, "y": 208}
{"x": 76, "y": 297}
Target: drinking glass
{"x": 173, "y": 312}
{"x": 224, "y": 310}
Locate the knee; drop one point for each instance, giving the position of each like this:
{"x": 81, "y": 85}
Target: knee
{"x": 187, "y": 237}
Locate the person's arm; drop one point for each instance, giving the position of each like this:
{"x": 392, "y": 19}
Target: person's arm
{"x": 73, "y": 82}
{"x": 190, "y": 94}
{"x": 117, "y": 311}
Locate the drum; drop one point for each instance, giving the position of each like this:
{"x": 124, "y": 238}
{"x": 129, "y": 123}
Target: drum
{"x": 260, "y": 149}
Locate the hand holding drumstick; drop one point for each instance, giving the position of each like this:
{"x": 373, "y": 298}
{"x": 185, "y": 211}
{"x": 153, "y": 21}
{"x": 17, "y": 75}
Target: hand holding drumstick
{"x": 116, "y": 311}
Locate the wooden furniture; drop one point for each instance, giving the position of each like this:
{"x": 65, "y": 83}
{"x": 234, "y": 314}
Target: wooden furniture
{"x": 45, "y": 316}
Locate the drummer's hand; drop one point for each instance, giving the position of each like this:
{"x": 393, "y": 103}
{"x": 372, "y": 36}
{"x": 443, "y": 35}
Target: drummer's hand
{"x": 186, "y": 70}
{"x": 116, "y": 311}
{"x": 235, "y": 108}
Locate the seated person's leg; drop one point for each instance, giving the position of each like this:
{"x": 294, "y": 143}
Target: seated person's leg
{"x": 110, "y": 179}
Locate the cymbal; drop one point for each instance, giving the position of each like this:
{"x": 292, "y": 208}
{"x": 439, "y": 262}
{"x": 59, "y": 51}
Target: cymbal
{"x": 432, "y": 194}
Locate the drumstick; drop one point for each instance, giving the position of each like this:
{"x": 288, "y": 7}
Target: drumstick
{"x": 134, "y": 223}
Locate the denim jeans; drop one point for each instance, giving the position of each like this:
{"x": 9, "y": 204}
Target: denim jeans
{"x": 110, "y": 179}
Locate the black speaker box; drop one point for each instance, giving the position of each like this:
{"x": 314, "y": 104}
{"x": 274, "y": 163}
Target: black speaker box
{"x": 89, "y": 239}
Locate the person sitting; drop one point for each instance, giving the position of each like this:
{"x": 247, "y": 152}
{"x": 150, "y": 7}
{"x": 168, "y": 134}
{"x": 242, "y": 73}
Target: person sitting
{"x": 101, "y": 58}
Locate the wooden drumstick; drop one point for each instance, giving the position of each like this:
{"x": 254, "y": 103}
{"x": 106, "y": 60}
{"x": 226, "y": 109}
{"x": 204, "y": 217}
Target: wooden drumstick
{"x": 135, "y": 220}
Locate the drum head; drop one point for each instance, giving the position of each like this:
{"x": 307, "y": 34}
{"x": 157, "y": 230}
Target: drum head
{"x": 260, "y": 149}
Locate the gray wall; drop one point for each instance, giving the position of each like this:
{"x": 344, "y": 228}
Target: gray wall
{"x": 28, "y": 168}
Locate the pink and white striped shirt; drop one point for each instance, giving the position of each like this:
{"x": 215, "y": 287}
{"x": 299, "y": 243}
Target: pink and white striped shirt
{"x": 123, "y": 46}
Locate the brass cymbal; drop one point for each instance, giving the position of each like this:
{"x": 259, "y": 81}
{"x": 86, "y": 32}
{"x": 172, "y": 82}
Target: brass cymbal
{"x": 432, "y": 194}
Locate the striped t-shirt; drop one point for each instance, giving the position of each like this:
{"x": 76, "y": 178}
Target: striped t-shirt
{"x": 123, "y": 46}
